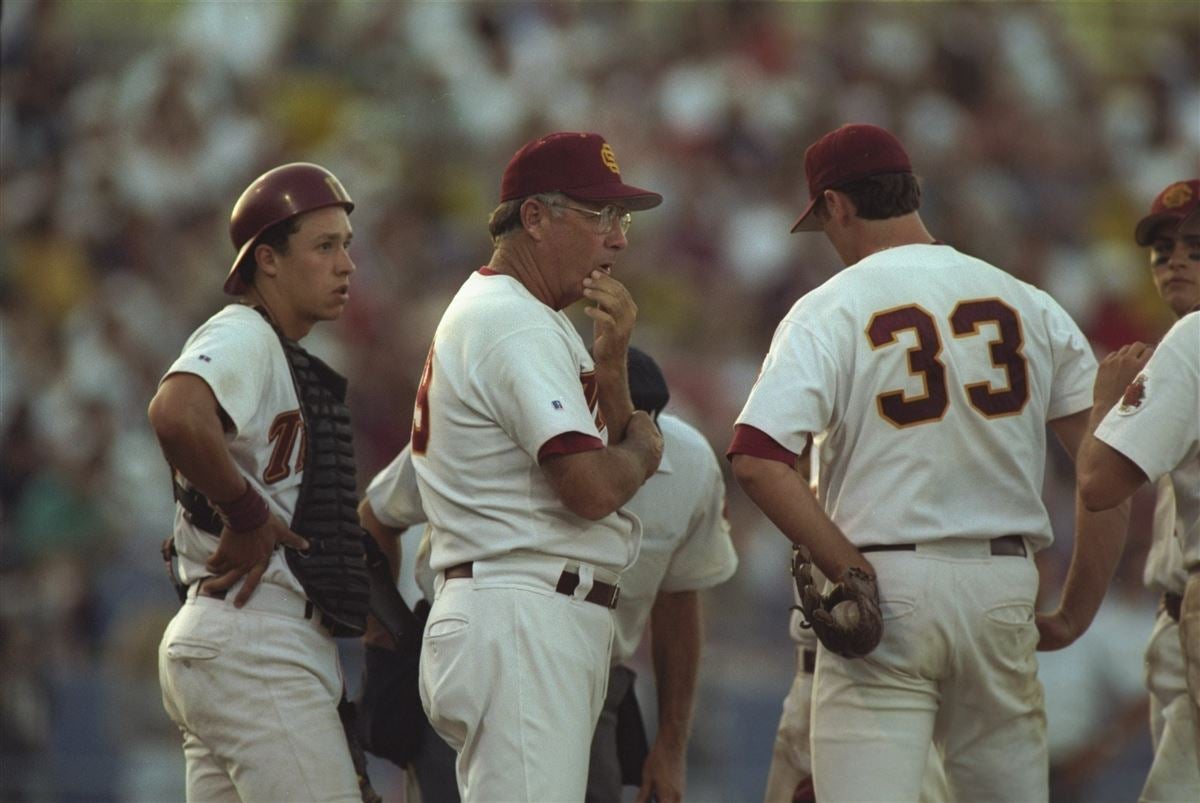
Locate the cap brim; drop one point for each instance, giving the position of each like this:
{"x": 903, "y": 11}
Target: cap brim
{"x": 807, "y": 220}
{"x": 1149, "y": 225}
{"x": 635, "y": 199}
{"x": 1191, "y": 224}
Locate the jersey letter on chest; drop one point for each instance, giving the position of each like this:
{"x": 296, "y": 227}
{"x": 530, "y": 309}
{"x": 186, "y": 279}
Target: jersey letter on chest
{"x": 284, "y": 431}
{"x": 1006, "y": 353}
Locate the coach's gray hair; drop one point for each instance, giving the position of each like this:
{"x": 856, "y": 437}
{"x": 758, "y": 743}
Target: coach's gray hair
{"x": 506, "y": 218}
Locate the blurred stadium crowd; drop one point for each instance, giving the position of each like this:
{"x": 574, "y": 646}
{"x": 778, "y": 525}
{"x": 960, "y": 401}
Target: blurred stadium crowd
{"x": 127, "y": 129}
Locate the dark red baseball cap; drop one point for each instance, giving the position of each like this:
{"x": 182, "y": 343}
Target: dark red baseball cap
{"x": 847, "y": 154}
{"x": 577, "y": 164}
{"x": 1179, "y": 200}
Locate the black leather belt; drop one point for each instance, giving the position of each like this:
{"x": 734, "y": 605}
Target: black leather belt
{"x": 1172, "y": 604}
{"x": 1005, "y": 545}
{"x": 601, "y": 594}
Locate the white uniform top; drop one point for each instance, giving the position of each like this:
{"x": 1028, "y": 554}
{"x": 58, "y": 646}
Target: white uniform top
{"x": 685, "y": 543}
{"x": 933, "y": 375}
{"x": 1157, "y": 425}
{"x": 505, "y": 375}
{"x": 1164, "y": 571}
{"x": 239, "y": 355}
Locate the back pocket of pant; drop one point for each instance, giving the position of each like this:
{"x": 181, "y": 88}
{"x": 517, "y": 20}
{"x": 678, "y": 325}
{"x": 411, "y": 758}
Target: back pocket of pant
{"x": 1015, "y": 614}
{"x": 446, "y": 626}
{"x": 188, "y": 650}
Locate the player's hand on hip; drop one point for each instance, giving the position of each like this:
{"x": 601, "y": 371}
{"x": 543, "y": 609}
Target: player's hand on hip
{"x": 1055, "y": 631}
{"x": 1117, "y": 370}
{"x": 246, "y": 554}
{"x": 612, "y": 317}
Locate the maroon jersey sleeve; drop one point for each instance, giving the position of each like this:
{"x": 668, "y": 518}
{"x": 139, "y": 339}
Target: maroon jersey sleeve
{"x": 756, "y": 443}
{"x": 569, "y": 443}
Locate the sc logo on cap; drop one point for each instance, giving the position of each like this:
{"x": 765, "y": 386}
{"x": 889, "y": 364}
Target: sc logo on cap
{"x": 609, "y": 158}
{"x": 1174, "y": 196}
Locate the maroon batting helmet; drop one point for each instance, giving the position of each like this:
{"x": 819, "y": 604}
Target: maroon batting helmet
{"x": 275, "y": 196}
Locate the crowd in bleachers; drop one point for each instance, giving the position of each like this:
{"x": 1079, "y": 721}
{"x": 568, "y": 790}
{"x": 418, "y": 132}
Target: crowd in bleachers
{"x": 127, "y": 129}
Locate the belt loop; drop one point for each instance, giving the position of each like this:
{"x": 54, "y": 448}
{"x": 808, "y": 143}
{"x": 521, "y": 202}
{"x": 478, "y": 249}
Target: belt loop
{"x": 587, "y": 576}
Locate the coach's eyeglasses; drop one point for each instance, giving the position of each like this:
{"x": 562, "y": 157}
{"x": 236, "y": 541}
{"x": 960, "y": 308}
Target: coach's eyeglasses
{"x": 607, "y": 217}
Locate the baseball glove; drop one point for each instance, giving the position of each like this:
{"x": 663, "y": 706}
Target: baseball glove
{"x": 391, "y": 721}
{"x": 847, "y": 620}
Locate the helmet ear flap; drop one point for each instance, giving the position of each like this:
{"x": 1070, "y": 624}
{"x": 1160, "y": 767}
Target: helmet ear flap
{"x": 279, "y": 194}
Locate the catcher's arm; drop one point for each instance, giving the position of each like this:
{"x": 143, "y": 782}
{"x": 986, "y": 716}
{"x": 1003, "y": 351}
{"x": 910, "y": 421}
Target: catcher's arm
{"x": 784, "y": 496}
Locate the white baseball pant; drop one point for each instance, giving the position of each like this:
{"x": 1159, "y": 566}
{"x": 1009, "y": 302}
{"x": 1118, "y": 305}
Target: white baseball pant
{"x": 1175, "y": 773}
{"x": 513, "y": 677}
{"x": 255, "y": 693}
{"x": 956, "y": 667}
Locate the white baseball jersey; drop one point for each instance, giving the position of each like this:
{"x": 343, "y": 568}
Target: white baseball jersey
{"x": 396, "y": 501}
{"x": 932, "y": 374}
{"x": 1157, "y": 425}
{"x": 507, "y": 376}
{"x": 685, "y": 537}
{"x": 239, "y": 355}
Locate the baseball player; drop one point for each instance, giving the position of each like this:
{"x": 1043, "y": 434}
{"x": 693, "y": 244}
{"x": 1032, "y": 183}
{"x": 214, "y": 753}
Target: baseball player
{"x": 685, "y": 548}
{"x": 523, "y": 493}
{"x": 932, "y": 376}
{"x": 248, "y": 666}
{"x": 1145, "y": 427}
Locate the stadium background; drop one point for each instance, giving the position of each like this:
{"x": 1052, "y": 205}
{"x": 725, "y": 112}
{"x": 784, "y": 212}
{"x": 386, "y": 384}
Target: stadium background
{"x": 127, "y": 129}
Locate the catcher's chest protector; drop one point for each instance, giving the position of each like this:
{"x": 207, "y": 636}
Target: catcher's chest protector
{"x": 334, "y": 570}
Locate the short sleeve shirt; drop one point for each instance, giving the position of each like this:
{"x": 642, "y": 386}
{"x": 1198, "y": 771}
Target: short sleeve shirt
{"x": 1157, "y": 425}
{"x": 239, "y": 356}
{"x": 505, "y": 376}
{"x": 932, "y": 376}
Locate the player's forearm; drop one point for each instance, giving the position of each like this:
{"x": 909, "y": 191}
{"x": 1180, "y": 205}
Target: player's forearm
{"x": 616, "y": 403}
{"x": 609, "y": 480}
{"x": 785, "y": 498}
{"x": 597, "y": 482}
{"x": 676, "y": 634}
{"x": 1106, "y": 477}
{"x": 1099, "y": 542}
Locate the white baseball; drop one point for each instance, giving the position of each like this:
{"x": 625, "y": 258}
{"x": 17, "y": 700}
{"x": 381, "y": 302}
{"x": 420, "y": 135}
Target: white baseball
{"x": 846, "y": 614}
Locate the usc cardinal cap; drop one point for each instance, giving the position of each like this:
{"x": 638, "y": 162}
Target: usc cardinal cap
{"x": 1177, "y": 202}
{"x": 580, "y": 165}
{"x": 848, "y": 154}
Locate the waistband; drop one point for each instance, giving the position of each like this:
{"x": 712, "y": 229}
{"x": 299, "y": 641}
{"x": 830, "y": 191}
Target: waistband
{"x": 1012, "y": 545}
{"x": 569, "y": 577}
{"x": 1171, "y": 605}
{"x": 267, "y": 598}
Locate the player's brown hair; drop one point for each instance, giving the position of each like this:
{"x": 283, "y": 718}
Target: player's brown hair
{"x": 884, "y": 196}
{"x": 276, "y": 237}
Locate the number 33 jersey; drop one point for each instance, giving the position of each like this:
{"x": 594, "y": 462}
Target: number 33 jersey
{"x": 932, "y": 375}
